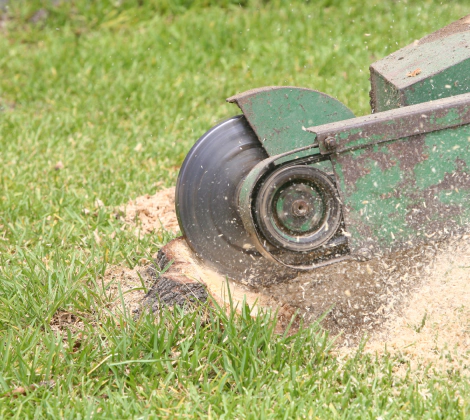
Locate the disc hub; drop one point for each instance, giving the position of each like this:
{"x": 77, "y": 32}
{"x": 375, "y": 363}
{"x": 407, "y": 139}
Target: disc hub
{"x": 297, "y": 208}
{"x": 300, "y": 208}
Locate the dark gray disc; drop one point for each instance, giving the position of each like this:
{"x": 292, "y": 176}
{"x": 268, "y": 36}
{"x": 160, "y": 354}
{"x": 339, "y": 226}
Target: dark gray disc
{"x": 206, "y": 202}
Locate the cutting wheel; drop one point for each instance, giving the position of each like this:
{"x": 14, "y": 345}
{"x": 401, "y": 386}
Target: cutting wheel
{"x": 206, "y": 201}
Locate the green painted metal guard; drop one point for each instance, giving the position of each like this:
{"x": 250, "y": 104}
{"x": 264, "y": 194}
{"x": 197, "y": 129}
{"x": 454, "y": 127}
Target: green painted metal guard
{"x": 279, "y": 115}
{"x": 403, "y": 173}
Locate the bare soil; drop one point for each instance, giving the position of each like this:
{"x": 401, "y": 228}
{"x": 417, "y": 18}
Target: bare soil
{"x": 125, "y": 287}
{"x": 415, "y": 303}
{"x": 64, "y": 320}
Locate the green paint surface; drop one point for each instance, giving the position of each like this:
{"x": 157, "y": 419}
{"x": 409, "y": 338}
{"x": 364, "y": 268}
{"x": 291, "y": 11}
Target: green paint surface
{"x": 446, "y": 149}
{"x": 448, "y": 82}
{"x": 388, "y": 96}
{"x": 279, "y": 116}
{"x": 442, "y": 66}
{"x": 400, "y": 193}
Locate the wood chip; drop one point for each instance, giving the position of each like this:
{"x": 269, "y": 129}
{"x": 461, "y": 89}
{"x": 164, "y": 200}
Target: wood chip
{"x": 414, "y": 73}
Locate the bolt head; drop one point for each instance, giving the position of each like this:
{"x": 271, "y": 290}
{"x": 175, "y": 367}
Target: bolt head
{"x": 330, "y": 143}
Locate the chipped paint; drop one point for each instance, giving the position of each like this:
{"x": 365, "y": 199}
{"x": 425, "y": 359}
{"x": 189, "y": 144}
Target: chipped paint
{"x": 401, "y": 193}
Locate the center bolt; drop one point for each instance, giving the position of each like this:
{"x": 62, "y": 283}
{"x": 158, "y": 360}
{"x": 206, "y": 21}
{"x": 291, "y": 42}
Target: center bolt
{"x": 300, "y": 207}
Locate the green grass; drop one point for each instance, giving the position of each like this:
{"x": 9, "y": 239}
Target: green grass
{"x": 85, "y": 87}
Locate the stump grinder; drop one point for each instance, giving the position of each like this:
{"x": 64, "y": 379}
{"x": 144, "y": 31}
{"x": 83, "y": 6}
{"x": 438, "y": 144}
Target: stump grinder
{"x": 297, "y": 181}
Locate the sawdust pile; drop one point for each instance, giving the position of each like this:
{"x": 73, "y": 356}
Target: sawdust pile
{"x": 416, "y": 304}
{"x": 151, "y": 213}
{"x": 434, "y": 324}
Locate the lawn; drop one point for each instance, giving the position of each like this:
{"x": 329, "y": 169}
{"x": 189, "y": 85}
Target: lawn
{"x": 99, "y": 103}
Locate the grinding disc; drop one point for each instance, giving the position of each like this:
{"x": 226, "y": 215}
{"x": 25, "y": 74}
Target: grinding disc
{"x": 207, "y": 208}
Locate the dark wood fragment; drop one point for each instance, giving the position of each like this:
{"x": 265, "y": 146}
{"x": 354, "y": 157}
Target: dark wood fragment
{"x": 172, "y": 287}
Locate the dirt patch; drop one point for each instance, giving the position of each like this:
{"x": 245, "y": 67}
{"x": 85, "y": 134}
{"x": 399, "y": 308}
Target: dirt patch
{"x": 150, "y": 213}
{"x": 64, "y": 320}
{"x": 6, "y": 105}
{"x": 415, "y": 303}
{"x": 3, "y": 19}
{"x": 355, "y": 297}
{"x": 126, "y": 288}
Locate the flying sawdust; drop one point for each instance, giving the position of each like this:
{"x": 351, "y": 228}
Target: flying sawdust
{"x": 416, "y": 304}
{"x": 434, "y": 325}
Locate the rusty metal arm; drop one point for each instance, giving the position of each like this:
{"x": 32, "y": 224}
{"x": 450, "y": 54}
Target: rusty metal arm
{"x": 394, "y": 124}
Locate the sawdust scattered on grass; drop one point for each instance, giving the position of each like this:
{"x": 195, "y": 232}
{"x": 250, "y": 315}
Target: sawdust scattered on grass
{"x": 416, "y": 305}
{"x": 150, "y": 213}
{"x": 434, "y": 323}
{"x": 124, "y": 289}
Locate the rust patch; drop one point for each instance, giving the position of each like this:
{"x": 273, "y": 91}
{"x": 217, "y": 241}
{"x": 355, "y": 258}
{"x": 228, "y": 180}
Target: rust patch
{"x": 421, "y": 215}
{"x": 409, "y": 152}
{"x": 414, "y": 73}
